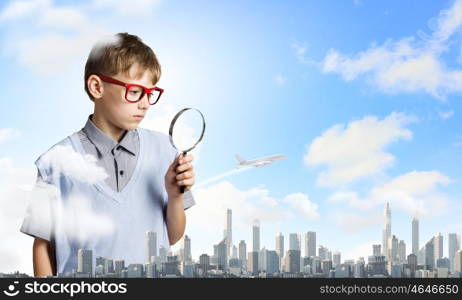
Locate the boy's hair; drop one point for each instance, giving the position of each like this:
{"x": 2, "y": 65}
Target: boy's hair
{"x": 117, "y": 55}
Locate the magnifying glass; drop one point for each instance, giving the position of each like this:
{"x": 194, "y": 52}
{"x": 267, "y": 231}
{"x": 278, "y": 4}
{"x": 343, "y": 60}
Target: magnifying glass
{"x": 186, "y": 131}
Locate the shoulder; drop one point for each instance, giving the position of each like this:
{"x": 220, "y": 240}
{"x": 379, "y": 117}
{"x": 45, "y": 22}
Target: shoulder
{"x": 57, "y": 152}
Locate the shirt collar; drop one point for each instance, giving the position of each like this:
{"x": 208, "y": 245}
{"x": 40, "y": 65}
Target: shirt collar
{"x": 104, "y": 143}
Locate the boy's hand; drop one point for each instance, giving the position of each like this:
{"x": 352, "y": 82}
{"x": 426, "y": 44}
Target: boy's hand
{"x": 179, "y": 173}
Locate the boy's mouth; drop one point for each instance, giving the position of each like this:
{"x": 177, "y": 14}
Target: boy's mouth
{"x": 138, "y": 116}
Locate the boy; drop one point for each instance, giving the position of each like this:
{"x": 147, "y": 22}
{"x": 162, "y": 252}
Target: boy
{"x": 140, "y": 191}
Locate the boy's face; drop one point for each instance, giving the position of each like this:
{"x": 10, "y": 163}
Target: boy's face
{"x": 116, "y": 109}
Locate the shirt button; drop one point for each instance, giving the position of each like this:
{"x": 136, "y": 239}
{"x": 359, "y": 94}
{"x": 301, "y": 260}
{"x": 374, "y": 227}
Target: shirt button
{"x": 121, "y": 172}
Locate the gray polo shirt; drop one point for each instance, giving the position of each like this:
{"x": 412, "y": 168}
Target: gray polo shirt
{"x": 117, "y": 159}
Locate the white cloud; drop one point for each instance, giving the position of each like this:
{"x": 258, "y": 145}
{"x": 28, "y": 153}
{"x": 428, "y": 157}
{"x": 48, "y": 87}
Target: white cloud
{"x": 280, "y": 80}
{"x": 7, "y": 134}
{"x": 75, "y": 165}
{"x": 355, "y": 151}
{"x": 301, "y": 204}
{"x": 407, "y": 65}
{"x": 71, "y": 29}
{"x": 123, "y": 7}
{"x": 446, "y": 114}
{"x": 415, "y": 193}
{"x": 21, "y": 9}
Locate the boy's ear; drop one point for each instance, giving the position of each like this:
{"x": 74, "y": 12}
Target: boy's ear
{"x": 95, "y": 86}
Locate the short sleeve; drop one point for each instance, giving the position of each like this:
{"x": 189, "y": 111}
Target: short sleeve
{"x": 38, "y": 216}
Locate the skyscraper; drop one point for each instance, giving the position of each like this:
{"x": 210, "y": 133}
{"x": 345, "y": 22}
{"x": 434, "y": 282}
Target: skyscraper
{"x": 310, "y": 243}
{"x": 228, "y": 232}
{"x": 279, "y": 244}
{"x": 376, "y": 250}
{"x": 386, "y": 230}
{"x": 222, "y": 255}
{"x": 401, "y": 252}
{"x": 256, "y": 236}
{"x": 438, "y": 244}
{"x": 185, "y": 249}
{"x": 337, "y": 258}
{"x": 415, "y": 236}
{"x": 85, "y": 261}
{"x": 151, "y": 245}
{"x": 430, "y": 254}
{"x": 294, "y": 243}
{"x": 453, "y": 246}
{"x": 243, "y": 253}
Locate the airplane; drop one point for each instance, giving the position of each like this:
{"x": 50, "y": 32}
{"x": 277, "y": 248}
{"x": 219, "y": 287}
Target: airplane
{"x": 259, "y": 162}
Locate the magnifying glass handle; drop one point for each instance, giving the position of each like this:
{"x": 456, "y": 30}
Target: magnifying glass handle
{"x": 183, "y": 187}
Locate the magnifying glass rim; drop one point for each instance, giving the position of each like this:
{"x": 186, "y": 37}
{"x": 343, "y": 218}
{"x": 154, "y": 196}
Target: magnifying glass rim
{"x": 172, "y": 124}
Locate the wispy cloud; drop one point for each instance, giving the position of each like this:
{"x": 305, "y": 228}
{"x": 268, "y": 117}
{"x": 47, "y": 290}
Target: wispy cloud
{"x": 8, "y": 133}
{"x": 410, "y": 64}
{"x": 415, "y": 193}
{"x": 356, "y": 150}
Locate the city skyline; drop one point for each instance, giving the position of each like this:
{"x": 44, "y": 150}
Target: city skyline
{"x": 381, "y": 262}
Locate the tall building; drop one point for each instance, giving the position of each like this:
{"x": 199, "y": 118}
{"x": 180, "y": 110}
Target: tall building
{"x": 458, "y": 262}
{"x": 430, "y": 254}
{"x": 85, "y": 261}
{"x": 310, "y": 243}
{"x": 262, "y": 259}
{"x": 243, "y": 253}
{"x": 415, "y": 236}
{"x": 337, "y": 259}
{"x": 376, "y": 250}
{"x": 438, "y": 244}
{"x": 222, "y": 255}
{"x": 294, "y": 243}
{"x": 272, "y": 262}
{"x": 234, "y": 252}
{"x": 150, "y": 245}
{"x": 401, "y": 252}
{"x": 386, "y": 230}
{"x": 119, "y": 266}
{"x": 228, "y": 232}
{"x": 256, "y": 236}
{"x": 322, "y": 252}
{"x": 252, "y": 263}
{"x": 280, "y": 245}
{"x": 293, "y": 257}
{"x": 204, "y": 262}
{"x": 453, "y": 246}
{"x": 109, "y": 266}
{"x": 412, "y": 264}
{"x": 393, "y": 248}
{"x": 185, "y": 249}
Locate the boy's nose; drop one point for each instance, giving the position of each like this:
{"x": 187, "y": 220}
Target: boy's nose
{"x": 144, "y": 102}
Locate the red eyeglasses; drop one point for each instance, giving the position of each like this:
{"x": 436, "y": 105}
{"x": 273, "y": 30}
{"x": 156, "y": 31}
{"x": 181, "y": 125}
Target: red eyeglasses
{"x": 136, "y": 92}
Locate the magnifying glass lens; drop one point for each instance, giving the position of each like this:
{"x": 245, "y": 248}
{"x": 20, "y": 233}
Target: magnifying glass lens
{"x": 187, "y": 130}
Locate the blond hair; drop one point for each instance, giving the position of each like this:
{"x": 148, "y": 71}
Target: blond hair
{"x": 117, "y": 55}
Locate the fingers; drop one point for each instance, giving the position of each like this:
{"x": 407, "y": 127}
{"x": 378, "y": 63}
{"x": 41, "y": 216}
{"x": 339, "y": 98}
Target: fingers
{"x": 184, "y": 163}
{"x": 185, "y": 175}
{"x": 186, "y": 182}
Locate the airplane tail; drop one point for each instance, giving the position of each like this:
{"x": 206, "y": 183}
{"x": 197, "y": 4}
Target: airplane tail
{"x": 239, "y": 159}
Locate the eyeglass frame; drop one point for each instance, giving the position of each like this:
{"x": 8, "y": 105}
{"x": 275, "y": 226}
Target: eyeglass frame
{"x": 129, "y": 85}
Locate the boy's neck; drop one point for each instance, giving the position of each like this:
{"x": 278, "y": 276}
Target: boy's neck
{"x": 114, "y": 132}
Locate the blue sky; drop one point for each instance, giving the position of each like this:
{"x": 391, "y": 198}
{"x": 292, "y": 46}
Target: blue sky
{"x": 270, "y": 77}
